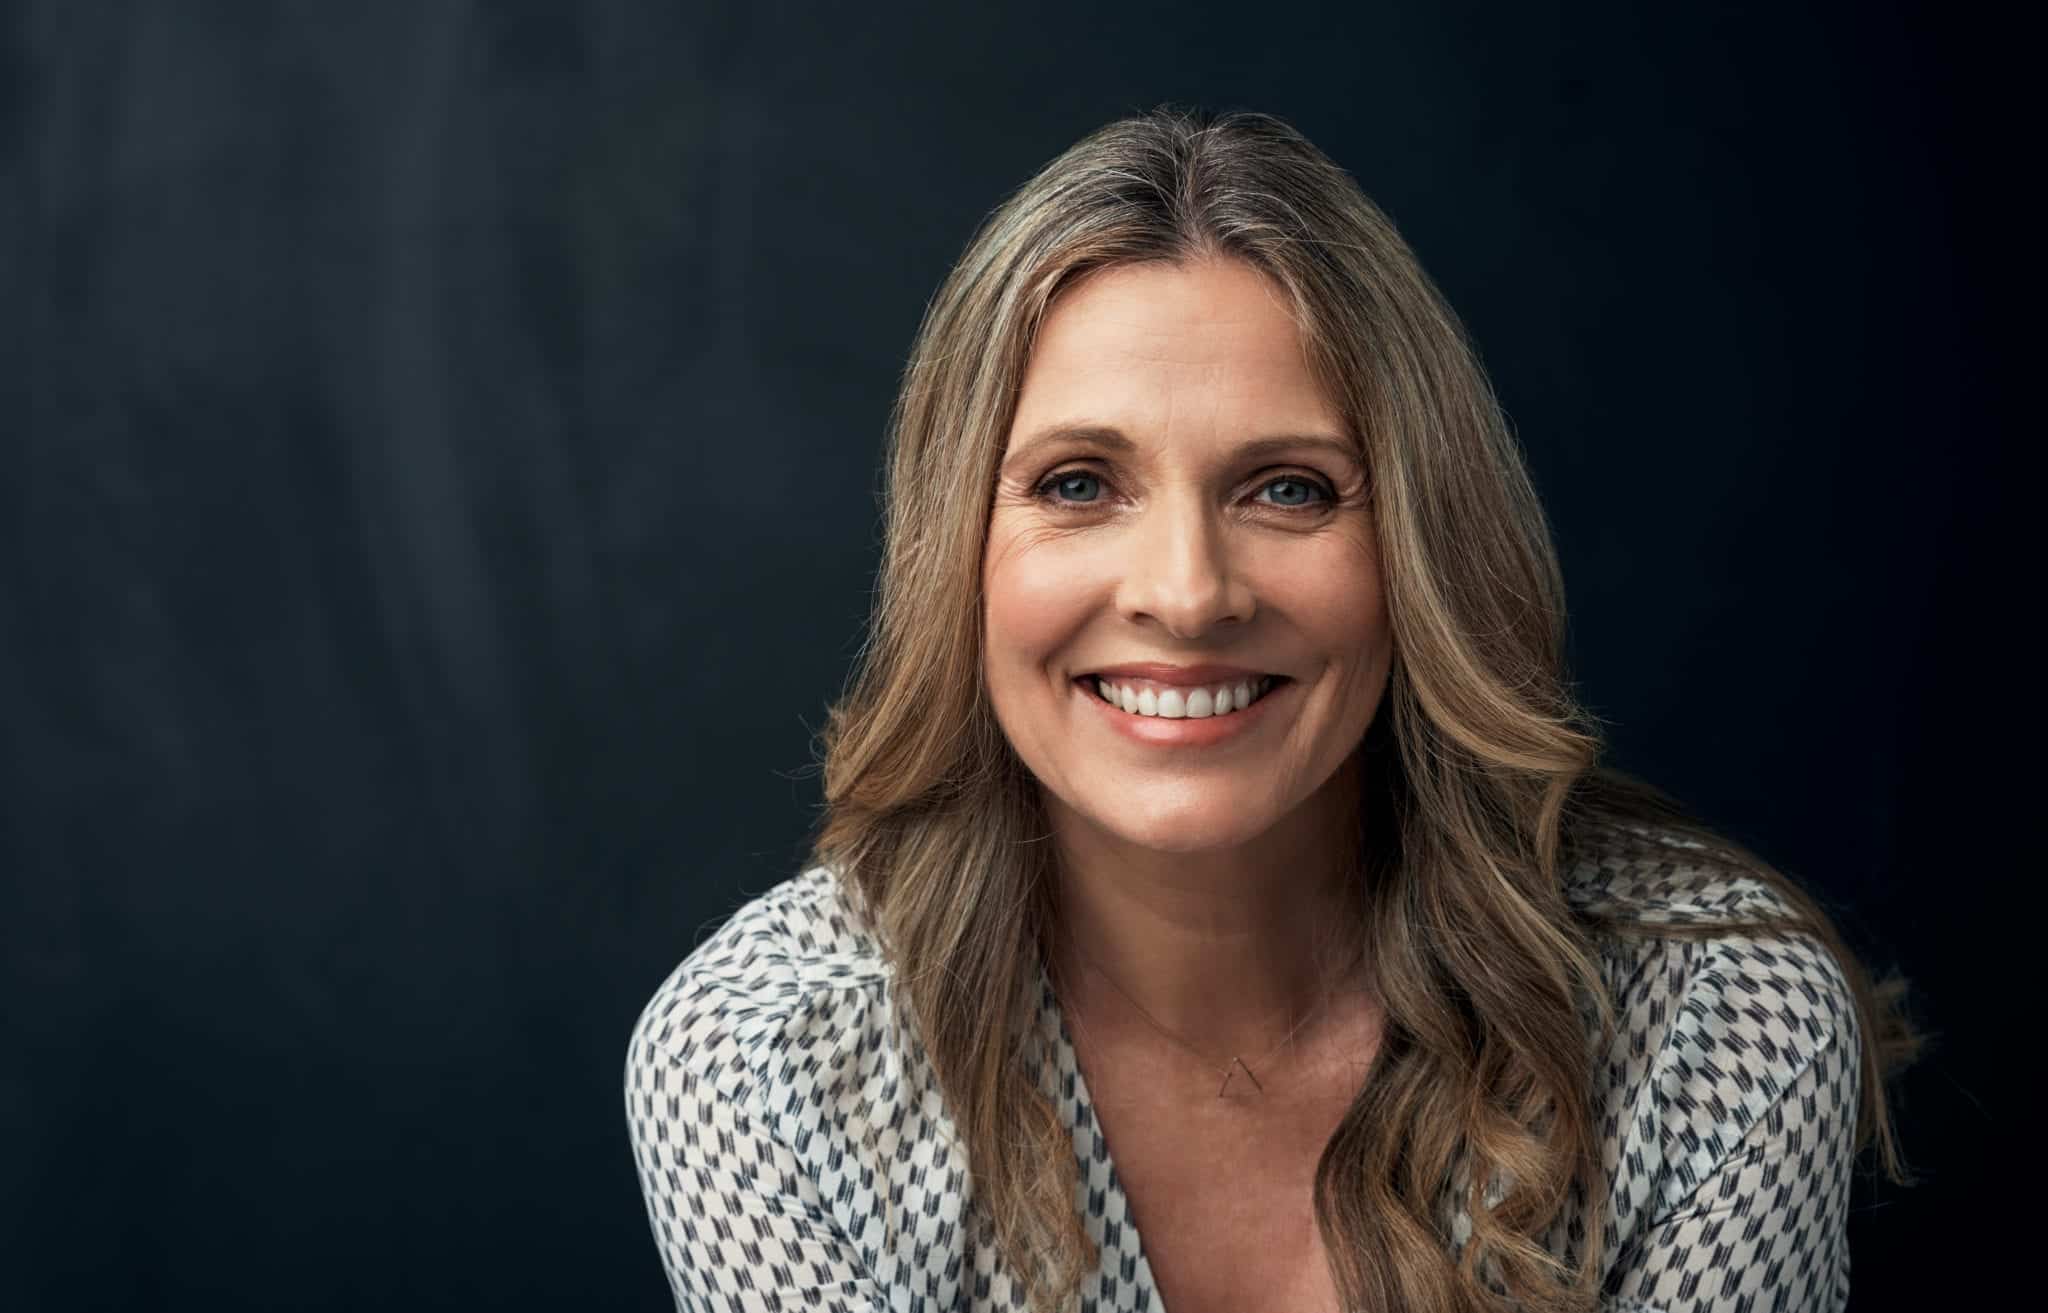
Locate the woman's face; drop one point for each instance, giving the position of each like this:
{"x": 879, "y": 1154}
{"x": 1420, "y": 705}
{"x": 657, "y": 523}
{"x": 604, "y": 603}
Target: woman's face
{"x": 1136, "y": 523}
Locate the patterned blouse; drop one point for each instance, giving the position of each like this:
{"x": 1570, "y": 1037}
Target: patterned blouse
{"x": 795, "y": 1153}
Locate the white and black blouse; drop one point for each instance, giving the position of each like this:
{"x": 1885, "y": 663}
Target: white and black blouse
{"x": 795, "y": 1153}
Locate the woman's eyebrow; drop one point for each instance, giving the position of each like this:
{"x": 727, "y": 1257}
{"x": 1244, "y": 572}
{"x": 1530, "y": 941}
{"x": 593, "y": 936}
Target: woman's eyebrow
{"x": 1110, "y": 438}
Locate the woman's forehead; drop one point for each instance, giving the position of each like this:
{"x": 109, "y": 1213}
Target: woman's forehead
{"x": 1205, "y": 312}
{"x": 1155, "y": 351}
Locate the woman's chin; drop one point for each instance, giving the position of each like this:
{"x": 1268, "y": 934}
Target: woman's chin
{"x": 1194, "y": 834}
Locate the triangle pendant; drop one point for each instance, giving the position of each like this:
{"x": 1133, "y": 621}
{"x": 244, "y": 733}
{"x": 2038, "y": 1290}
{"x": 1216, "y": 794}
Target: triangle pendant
{"x": 1237, "y": 1064}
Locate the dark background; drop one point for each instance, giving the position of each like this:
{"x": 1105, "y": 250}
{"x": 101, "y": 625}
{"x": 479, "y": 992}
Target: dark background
{"x": 438, "y": 505}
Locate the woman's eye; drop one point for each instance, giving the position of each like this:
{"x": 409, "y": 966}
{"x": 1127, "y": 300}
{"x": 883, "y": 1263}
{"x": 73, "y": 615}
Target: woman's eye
{"x": 1074, "y": 482}
{"x": 1306, "y": 488}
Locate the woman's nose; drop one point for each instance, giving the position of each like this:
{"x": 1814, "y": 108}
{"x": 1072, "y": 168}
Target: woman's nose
{"x": 1178, "y": 570}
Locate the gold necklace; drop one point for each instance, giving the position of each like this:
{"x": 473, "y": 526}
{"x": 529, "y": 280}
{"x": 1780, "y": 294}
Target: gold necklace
{"x": 1231, "y": 1068}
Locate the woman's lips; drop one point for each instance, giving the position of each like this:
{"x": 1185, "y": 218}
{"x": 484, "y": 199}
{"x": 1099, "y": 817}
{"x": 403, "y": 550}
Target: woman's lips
{"x": 1185, "y": 732}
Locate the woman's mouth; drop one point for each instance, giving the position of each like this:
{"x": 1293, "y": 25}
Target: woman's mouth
{"x": 1175, "y": 716}
{"x": 1144, "y": 697}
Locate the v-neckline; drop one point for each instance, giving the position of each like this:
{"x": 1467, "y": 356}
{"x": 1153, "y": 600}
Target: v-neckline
{"x": 1068, "y": 1088}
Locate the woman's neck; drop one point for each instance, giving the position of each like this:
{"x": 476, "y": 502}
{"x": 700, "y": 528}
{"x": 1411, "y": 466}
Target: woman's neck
{"x": 1225, "y": 949}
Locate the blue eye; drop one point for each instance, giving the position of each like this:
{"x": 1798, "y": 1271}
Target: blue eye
{"x": 1303, "y": 484}
{"x": 1066, "y": 482}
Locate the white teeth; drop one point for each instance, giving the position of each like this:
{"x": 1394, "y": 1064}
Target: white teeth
{"x": 1178, "y": 704}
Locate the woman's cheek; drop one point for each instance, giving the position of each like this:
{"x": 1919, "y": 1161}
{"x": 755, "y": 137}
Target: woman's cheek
{"x": 1039, "y": 587}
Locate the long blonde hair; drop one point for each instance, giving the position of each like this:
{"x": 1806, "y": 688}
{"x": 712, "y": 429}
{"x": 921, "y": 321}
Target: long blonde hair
{"x": 1483, "y": 776}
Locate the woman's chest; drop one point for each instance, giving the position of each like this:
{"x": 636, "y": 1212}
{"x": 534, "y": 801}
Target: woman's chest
{"x": 1222, "y": 1191}
{"x": 1227, "y": 1219}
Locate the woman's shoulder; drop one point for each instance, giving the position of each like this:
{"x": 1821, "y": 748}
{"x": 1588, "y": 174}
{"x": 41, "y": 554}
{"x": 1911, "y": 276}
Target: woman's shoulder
{"x": 1658, "y": 875}
{"x": 1712, "y": 1033}
{"x": 774, "y": 1107}
{"x": 804, "y": 932}
{"x": 1634, "y": 885}
{"x": 788, "y": 967}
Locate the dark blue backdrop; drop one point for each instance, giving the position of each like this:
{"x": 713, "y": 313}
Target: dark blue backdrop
{"x": 440, "y": 447}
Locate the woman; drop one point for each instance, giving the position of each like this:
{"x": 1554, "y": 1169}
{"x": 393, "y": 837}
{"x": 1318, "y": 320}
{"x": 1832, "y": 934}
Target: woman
{"x": 1217, "y": 884}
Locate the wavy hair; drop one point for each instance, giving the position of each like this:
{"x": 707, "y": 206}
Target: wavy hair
{"x": 1483, "y": 779}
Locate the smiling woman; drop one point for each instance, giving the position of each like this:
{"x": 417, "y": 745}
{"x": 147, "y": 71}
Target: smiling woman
{"x": 1183, "y": 553}
{"x": 1220, "y": 902}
